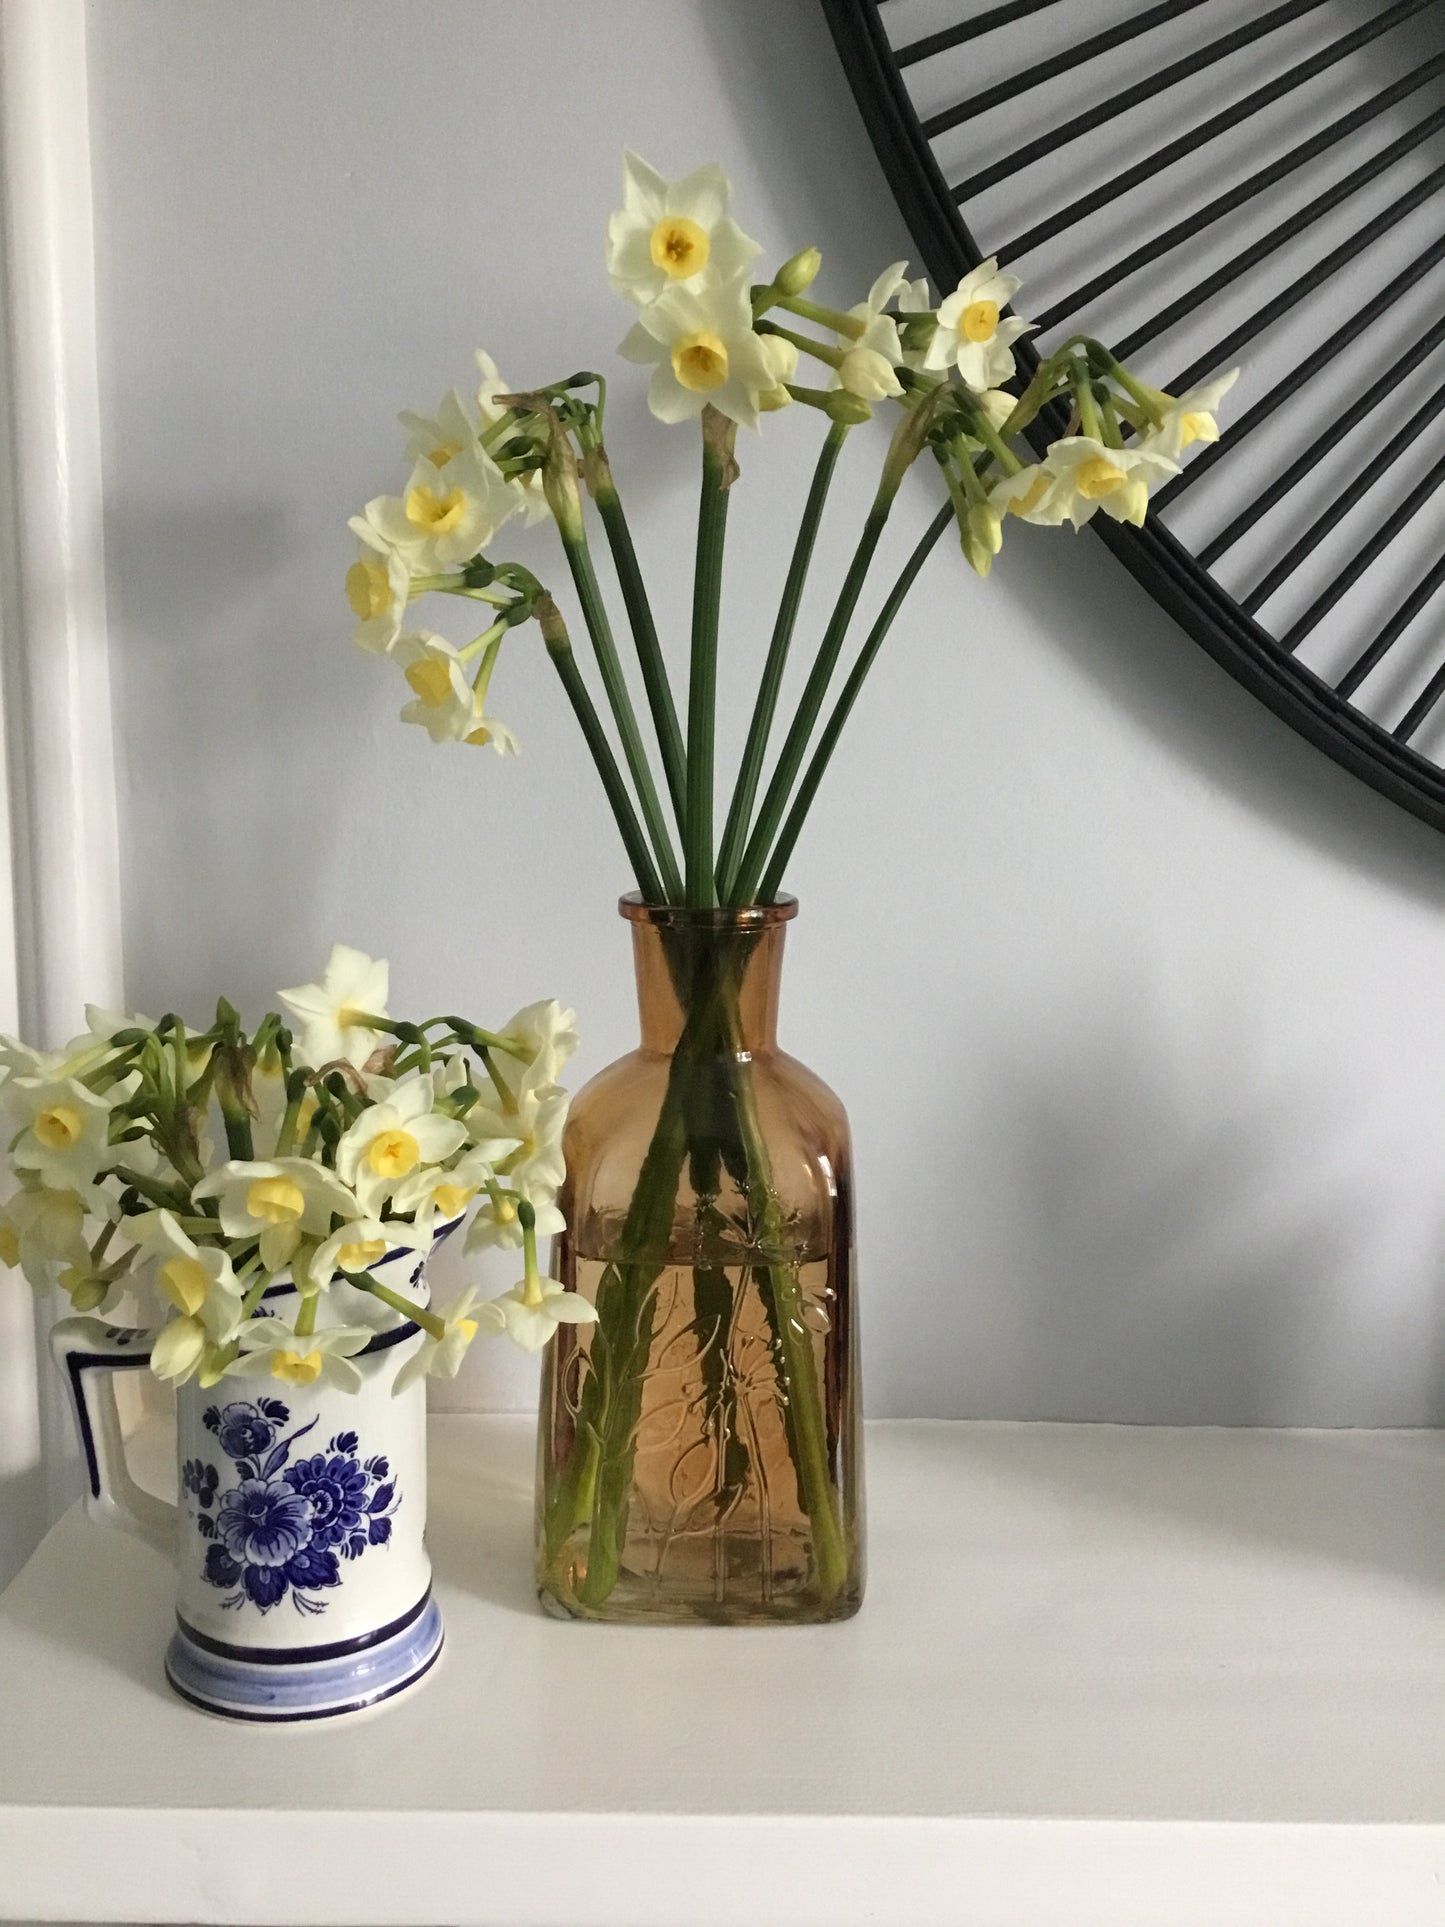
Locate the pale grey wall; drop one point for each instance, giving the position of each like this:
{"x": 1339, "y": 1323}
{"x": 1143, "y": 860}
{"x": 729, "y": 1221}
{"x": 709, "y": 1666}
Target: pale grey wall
{"x": 1133, "y": 996}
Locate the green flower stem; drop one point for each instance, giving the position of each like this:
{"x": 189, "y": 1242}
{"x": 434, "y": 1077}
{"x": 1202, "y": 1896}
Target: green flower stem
{"x": 151, "y": 1188}
{"x": 795, "y": 745}
{"x": 765, "y": 708}
{"x": 718, "y": 470}
{"x": 1088, "y": 407}
{"x": 805, "y": 344}
{"x": 808, "y": 788}
{"x": 644, "y": 629}
{"x": 594, "y": 611}
{"x": 834, "y": 318}
{"x": 415, "y": 1314}
{"x": 559, "y": 648}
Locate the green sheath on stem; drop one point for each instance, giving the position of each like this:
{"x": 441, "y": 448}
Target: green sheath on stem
{"x": 718, "y": 471}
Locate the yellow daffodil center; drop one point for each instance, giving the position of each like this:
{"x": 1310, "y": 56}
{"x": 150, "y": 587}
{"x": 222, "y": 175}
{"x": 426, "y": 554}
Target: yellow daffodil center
{"x": 295, "y": 1368}
{"x": 9, "y": 1245}
{"x": 1196, "y": 428}
{"x": 700, "y": 362}
{"x": 452, "y": 1198}
{"x": 504, "y": 1211}
{"x": 59, "y": 1127}
{"x": 368, "y": 589}
{"x": 679, "y": 246}
{"x": 481, "y": 735}
{"x": 435, "y": 514}
{"x": 431, "y": 678}
{"x": 391, "y": 1154}
{"x": 979, "y": 321}
{"x": 1097, "y": 478}
{"x": 185, "y": 1282}
{"x": 366, "y": 1251}
{"x": 443, "y": 452}
{"x": 275, "y": 1200}
{"x": 466, "y": 1328}
{"x": 1031, "y": 497}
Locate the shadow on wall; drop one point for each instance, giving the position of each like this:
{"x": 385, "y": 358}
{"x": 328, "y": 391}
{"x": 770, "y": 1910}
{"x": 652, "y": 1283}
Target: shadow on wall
{"x": 785, "y": 59}
{"x": 1149, "y": 1222}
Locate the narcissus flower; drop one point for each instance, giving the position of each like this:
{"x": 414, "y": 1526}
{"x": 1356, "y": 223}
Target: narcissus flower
{"x": 391, "y": 1139}
{"x": 1031, "y": 496}
{"x": 359, "y": 1244}
{"x": 530, "y": 492}
{"x": 269, "y": 1344}
{"x": 443, "y": 516}
{"x": 705, "y": 351}
{"x": 444, "y": 705}
{"x": 1088, "y": 476}
{"x": 490, "y": 732}
{"x": 1189, "y": 418}
{"x": 871, "y": 356}
{"x": 673, "y": 234}
{"x": 64, "y": 1131}
{"x": 972, "y": 333}
{"x": 354, "y": 986}
{"x": 377, "y": 585}
{"x": 44, "y": 1228}
{"x": 277, "y": 1200}
{"x": 531, "y": 1313}
{"x": 442, "y": 1357}
{"x": 196, "y": 1279}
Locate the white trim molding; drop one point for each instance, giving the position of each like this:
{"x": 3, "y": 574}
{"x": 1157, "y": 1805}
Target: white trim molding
{"x": 60, "y": 921}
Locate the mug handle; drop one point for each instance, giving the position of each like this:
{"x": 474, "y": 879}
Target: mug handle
{"x": 89, "y": 1353}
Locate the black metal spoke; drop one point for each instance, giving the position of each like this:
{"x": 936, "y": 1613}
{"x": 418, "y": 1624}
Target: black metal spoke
{"x": 1237, "y": 197}
{"x": 1369, "y": 553}
{"x": 966, "y": 30}
{"x": 1398, "y": 623}
{"x": 1188, "y": 144}
{"x": 1056, "y": 64}
{"x": 1341, "y": 506}
{"x": 1130, "y": 97}
{"x": 1433, "y": 691}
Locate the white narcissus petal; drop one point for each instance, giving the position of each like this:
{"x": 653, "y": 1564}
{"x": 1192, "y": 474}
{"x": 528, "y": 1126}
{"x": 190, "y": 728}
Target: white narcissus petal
{"x": 702, "y": 195}
{"x": 352, "y": 985}
{"x": 673, "y": 234}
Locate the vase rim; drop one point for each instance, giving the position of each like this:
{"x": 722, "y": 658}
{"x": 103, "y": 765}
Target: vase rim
{"x": 748, "y": 916}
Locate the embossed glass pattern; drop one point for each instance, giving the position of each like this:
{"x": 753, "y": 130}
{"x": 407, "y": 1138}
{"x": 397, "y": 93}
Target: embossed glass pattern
{"x": 700, "y": 1443}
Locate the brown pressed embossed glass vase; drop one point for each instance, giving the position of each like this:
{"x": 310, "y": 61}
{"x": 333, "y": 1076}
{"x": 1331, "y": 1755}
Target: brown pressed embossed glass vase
{"x": 700, "y": 1443}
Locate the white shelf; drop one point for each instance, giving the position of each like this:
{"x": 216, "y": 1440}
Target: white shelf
{"x": 1105, "y": 1677}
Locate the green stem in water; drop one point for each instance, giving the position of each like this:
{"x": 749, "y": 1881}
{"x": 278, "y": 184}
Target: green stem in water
{"x": 833, "y": 729}
{"x": 559, "y": 648}
{"x": 795, "y": 745}
{"x": 765, "y": 708}
{"x": 718, "y": 470}
{"x": 594, "y": 611}
{"x": 644, "y": 630}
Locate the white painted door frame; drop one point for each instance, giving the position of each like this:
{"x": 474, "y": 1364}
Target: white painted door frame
{"x": 60, "y": 921}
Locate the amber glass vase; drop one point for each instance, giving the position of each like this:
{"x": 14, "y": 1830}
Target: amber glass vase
{"x": 700, "y": 1442}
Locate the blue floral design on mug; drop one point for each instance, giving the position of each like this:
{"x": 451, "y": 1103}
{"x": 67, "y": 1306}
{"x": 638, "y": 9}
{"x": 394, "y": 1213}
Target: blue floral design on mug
{"x": 284, "y": 1528}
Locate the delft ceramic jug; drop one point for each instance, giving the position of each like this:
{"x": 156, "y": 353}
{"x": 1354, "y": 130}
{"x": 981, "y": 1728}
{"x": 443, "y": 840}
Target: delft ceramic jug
{"x": 303, "y": 1583}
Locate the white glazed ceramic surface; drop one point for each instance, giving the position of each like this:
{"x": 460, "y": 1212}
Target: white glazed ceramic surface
{"x": 299, "y": 1536}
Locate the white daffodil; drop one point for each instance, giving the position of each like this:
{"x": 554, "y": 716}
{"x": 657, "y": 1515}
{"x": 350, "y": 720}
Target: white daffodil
{"x": 531, "y": 494}
{"x": 353, "y": 987}
{"x": 63, "y": 1131}
{"x": 437, "y": 1194}
{"x": 268, "y": 1344}
{"x": 671, "y": 234}
{"x": 390, "y": 1140}
{"x": 42, "y": 1229}
{"x": 196, "y": 1279}
{"x": 532, "y": 1311}
{"x": 440, "y": 438}
{"x": 1031, "y": 496}
{"x": 1088, "y": 476}
{"x": 277, "y": 1200}
{"x": 181, "y": 1348}
{"x": 377, "y": 585}
{"x": 360, "y": 1244}
{"x": 705, "y": 352}
{"x": 442, "y": 1357}
{"x": 535, "y": 1166}
{"x": 444, "y": 516}
{"x": 490, "y": 732}
{"x": 496, "y": 1227}
{"x": 782, "y": 359}
{"x": 870, "y": 357}
{"x": 997, "y": 405}
{"x": 546, "y": 1032}
{"x": 914, "y": 298}
{"x": 444, "y": 704}
{"x": 1189, "y": 418}
{"x": 972, "y": 334}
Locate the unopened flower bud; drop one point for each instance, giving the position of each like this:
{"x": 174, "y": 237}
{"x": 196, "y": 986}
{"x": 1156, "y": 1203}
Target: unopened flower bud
{"x": 851, "y": 410}
{"x": 773, "y": 399}
{"x": 799, "y": 274}
{"x": 869, "y": 375}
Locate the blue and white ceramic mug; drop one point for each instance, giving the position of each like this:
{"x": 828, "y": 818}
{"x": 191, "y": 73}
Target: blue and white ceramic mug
{"x": 303, "y": 1583}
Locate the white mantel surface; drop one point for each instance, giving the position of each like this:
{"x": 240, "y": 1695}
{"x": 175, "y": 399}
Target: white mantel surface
{"x": 1104, "y": 1677}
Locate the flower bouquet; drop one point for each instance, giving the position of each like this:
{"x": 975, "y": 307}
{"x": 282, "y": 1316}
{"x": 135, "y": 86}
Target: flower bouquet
{"x": 271, "y": 1197}
{"x": 700, "y": 1451}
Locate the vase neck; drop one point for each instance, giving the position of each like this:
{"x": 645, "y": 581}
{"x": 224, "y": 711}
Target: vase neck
{"x": 717, "y": 974}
